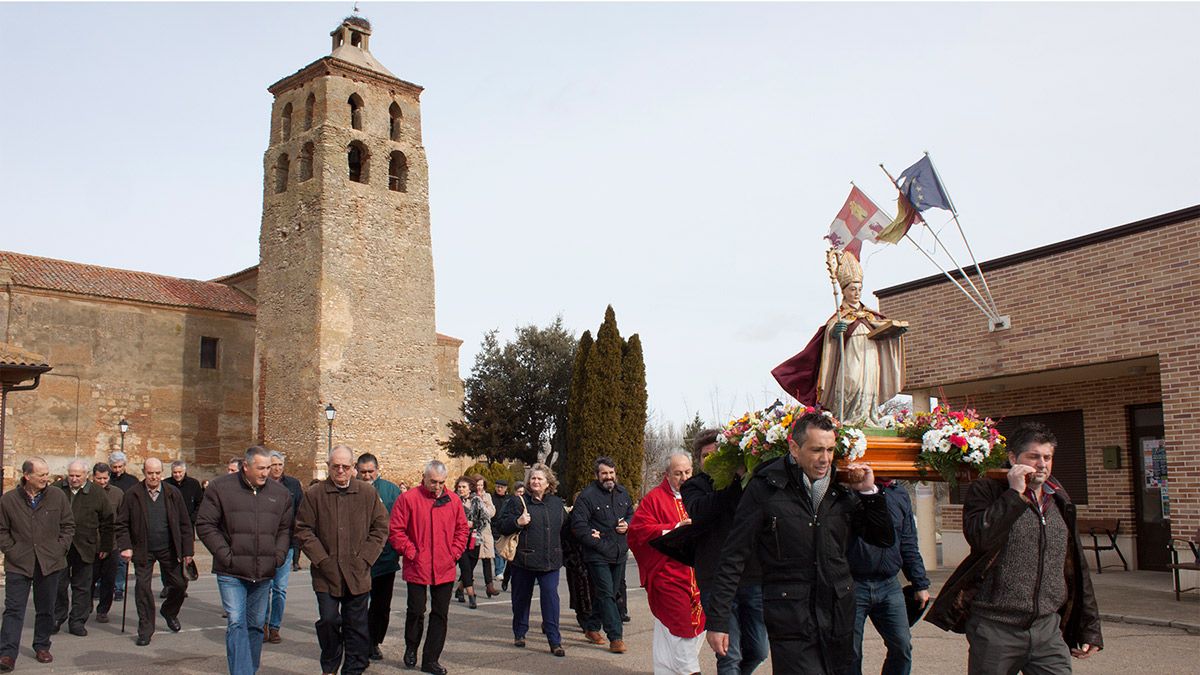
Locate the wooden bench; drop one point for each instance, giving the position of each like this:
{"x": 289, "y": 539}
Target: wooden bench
{"x": 1095, "y": 528}
{"x": 1175, "y": 565}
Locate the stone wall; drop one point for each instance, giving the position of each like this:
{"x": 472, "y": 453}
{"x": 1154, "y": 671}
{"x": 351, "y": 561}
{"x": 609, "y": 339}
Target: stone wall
{"x": 113, "y": 359}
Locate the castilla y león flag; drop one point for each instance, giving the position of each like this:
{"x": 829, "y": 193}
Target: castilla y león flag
{"x": 858, "y": 221}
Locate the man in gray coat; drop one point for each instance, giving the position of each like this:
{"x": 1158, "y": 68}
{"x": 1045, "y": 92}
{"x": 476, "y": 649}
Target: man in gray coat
{"x": 93, "y": 540}
{"x": 36, "y": 528}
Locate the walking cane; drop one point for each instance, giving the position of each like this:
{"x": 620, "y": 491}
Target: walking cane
{"x": 125, "y": 596}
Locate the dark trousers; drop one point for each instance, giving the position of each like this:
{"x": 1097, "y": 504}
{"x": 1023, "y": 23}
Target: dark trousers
{"x": 105, "y": 571}
{"x": 521, "y": 582}
{"x": 342, "y": 632}
{"x": 748, "y": 645}
{"x": 380, "y": 609}
{"x": 16, "y": 596}
{"x": 414, "y": 621}
{"x": 466, "y": 567}
{"x": 143, "y": 573}
{"x": 883, "y": 602}
{"x": 78, "y": 578}
{"x": 607, "y": 579}
{"x": 1000, "y": 649}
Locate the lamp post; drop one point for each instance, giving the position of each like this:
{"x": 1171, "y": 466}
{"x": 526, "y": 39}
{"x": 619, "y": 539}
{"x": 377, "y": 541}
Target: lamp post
{"x": 330, "y": 413}
{"x": 123, "y": 426}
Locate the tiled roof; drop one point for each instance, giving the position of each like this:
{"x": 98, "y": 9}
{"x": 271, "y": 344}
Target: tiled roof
{"x": 12, "y": 355}
{"x": 71, "y": 277}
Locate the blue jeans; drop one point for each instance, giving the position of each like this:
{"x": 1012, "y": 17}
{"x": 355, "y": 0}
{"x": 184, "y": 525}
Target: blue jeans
{"x": 748, "y": 645}
{"x": 246, "y": 604}
{"x": 279, "y": 591}
{"x": 501, "y": 565}
{"x": 522, "y": 596}
{"x": 883, "y": 601}
{"x": 122, "y": 572}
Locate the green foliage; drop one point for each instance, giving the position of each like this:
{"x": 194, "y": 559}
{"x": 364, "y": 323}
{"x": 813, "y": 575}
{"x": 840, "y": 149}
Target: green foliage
{"x": 576, "y": 471}
{"x": 691, "y": 431}
{"x": 495, "y": 471}
{"x": 632, "y": 452}
{"x": 600, "y": 428}
{"x": 516, "y": 396}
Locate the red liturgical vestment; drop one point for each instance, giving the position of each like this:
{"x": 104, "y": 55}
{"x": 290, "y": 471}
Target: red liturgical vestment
{"x": 670, "y": 585}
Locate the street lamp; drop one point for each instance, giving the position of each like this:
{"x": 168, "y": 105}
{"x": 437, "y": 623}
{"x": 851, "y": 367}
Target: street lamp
{"x": 123, "y": 426}
{"x": 330, "y": 413}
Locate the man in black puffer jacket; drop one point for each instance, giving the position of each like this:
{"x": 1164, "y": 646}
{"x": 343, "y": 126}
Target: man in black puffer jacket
{"x": 599, "y": 522}
{"x": 245, "y": 521}
{"x": 799, "y": 522}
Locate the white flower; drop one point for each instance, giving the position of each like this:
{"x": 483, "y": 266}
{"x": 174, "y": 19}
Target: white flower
{"x": 855, "y": 443}
{"x": 746, "y": 440}
{"x": 887, "y": 422}
{"x": 775, "y": 434}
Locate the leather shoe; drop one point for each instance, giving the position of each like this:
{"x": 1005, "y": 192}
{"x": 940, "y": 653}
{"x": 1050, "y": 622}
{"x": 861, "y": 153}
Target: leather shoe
{"x": 557, "y": 650}
{"x": 142, "y": 641}
{"x": 44, "y": 656}
{"x": 376, "y": 653}
{"x": 594, "y": 637}
{"x": 410, "y": 657}
{"x": 6, "y": 664}
{"x": 273, "y": 636}
{"x": 101, "y": 618}
{"x": 78, "y": 630}
{"x": 172, "y": 622}
{"x": 617, "y": 647}
{"x": 435, "y": 668}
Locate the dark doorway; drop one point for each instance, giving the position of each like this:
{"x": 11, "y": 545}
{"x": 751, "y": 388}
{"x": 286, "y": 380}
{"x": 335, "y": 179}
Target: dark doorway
{"x": 1151, "y": 491}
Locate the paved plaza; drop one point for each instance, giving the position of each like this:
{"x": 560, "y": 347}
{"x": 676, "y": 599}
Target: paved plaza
{"x": 480, "y": 641}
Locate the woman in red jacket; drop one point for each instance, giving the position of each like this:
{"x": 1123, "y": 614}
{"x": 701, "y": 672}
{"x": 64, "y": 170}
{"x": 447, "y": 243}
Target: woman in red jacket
{"x": 429, "y": 530}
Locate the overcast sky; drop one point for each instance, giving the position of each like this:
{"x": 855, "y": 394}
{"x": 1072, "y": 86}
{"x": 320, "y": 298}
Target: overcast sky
{"x": 679, "y": 161}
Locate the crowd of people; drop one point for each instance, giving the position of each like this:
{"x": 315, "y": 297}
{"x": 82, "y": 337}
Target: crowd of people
{"x": 789, "y": 563}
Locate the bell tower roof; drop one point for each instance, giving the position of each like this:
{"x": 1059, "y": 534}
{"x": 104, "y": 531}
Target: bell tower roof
{"x": 351, "y": 44}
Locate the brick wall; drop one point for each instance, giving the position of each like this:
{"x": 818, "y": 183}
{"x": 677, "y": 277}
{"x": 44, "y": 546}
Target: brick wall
{"x": 1122, "y": 298}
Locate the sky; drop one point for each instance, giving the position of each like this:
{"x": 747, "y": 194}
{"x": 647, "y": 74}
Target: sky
{"x": 679, "y": 161}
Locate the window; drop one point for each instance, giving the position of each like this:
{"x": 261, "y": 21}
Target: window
{"x": 394, "y": 120}
{"x": 356, "y": 111}
{"x": 208, "y": 352}
{"x": 281, "y": 174}
{"x": 310, "y": 106}
{"x": 357, "y": 159}
{"x": 305, "y": 169}
{"x": 398, "y": 172}
{"x": 285, "y": 123}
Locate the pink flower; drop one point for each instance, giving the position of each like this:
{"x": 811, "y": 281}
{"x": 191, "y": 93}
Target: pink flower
{"x": 958, "y": 441}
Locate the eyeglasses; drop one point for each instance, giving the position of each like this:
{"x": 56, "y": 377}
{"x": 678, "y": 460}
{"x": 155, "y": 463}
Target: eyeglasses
{"x": 340, "y": 467}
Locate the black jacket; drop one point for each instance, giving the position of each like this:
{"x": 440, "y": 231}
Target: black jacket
{"x": 711, "y": 511}
{"x": 245, "y": 528}
{"x": 872, "y": 563}
{"x": 989, "y": 512}
{"x": 133, "y": 530}
{"x": 193, "y": 494}
{"x": 297, "y": 491}
{"x": 499, "y": 501}
{"x": 124, "y": 481}
{"x": 597, "y": 509}
{"x": 539, "y": 547}
{"x": 93, "y": 520}
{"x": 808, "y": 594}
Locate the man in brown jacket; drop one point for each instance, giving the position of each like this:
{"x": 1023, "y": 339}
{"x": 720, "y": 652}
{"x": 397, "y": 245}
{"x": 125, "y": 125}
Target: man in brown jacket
{"x": 36, "y": 528}
{"x": 342, "y": 527}
{"x": 92, "y": 543}
{"x": 153, "y": 526}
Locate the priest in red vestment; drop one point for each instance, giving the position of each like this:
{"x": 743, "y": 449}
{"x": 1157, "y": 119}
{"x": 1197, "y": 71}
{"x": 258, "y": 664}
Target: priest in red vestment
{"x": 670, "y": 585}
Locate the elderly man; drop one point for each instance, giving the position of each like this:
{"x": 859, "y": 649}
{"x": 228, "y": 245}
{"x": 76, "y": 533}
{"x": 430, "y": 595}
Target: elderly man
{"x": 670, "y": 585}
{"x": 342, "y": 527}
{"x": 244, "y": 521}
{"x": 121, "y": 479}
{"x": 798, "y": 521}
{"x": 429, "y": 529}
{"x": 93, "y": 540}
{"x": 599, "y": 522}
{"x": 105, "y": 571}
{"x": 36, "y": 530}
{"x": 153, "y": 526}
{"x": 189, "y": 487}
{"x": 1023, "y": 596}
{"x": 279, "y": 583}
{"x": 383, "y": 572}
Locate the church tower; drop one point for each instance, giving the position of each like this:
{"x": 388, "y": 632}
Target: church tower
{"x": 345, "y": 282}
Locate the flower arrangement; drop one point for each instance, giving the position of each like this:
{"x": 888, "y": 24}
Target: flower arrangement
{"x": 952, "y": 440}
{"x": 760, "y": 436}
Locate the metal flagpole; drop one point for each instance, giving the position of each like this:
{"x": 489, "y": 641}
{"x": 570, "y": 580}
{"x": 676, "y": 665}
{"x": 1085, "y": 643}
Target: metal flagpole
{"x": 948, "y": 276}
{"x": 990, "y": 315}
{"x": 954, "y": 212}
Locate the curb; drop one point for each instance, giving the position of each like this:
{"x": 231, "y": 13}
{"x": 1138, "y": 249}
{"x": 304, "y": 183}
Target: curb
{"x": 1192, "y": 628}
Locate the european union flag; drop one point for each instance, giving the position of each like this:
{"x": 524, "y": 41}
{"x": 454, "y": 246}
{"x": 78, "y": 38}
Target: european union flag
{"x": 920, "y": 184}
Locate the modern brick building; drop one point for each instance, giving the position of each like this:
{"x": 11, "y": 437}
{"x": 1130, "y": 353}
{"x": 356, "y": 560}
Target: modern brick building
{"x": 1104, "y": 347}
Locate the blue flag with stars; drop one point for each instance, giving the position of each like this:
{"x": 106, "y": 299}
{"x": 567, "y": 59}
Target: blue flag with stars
{"x": 920, "y": 184}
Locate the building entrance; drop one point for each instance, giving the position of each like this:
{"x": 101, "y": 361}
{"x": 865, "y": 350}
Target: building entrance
{"x": 1152, "y": 492}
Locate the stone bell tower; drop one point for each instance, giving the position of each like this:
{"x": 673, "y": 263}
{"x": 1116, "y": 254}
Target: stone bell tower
{"x": 345, "y": 286}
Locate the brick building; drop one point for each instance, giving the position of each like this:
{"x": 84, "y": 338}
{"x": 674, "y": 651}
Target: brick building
{"x": 339, "y": 310}
{"x": 1103, "y": 347}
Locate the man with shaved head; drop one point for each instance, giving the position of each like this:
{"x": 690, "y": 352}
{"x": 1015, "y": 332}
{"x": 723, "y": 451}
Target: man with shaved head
{"x": 153, "y": 526}
{"x": 93, "y": 541}
{"x": 36, "y": 529}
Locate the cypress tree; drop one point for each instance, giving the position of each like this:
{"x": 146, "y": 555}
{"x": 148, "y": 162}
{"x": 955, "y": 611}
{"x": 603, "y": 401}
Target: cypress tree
{"x": 633, "y": 416}
{"x": 600, "y": 431}
{"x": 574, "y": 462}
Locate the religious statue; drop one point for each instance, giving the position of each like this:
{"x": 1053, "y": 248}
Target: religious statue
{"x": 855, "y": 362}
